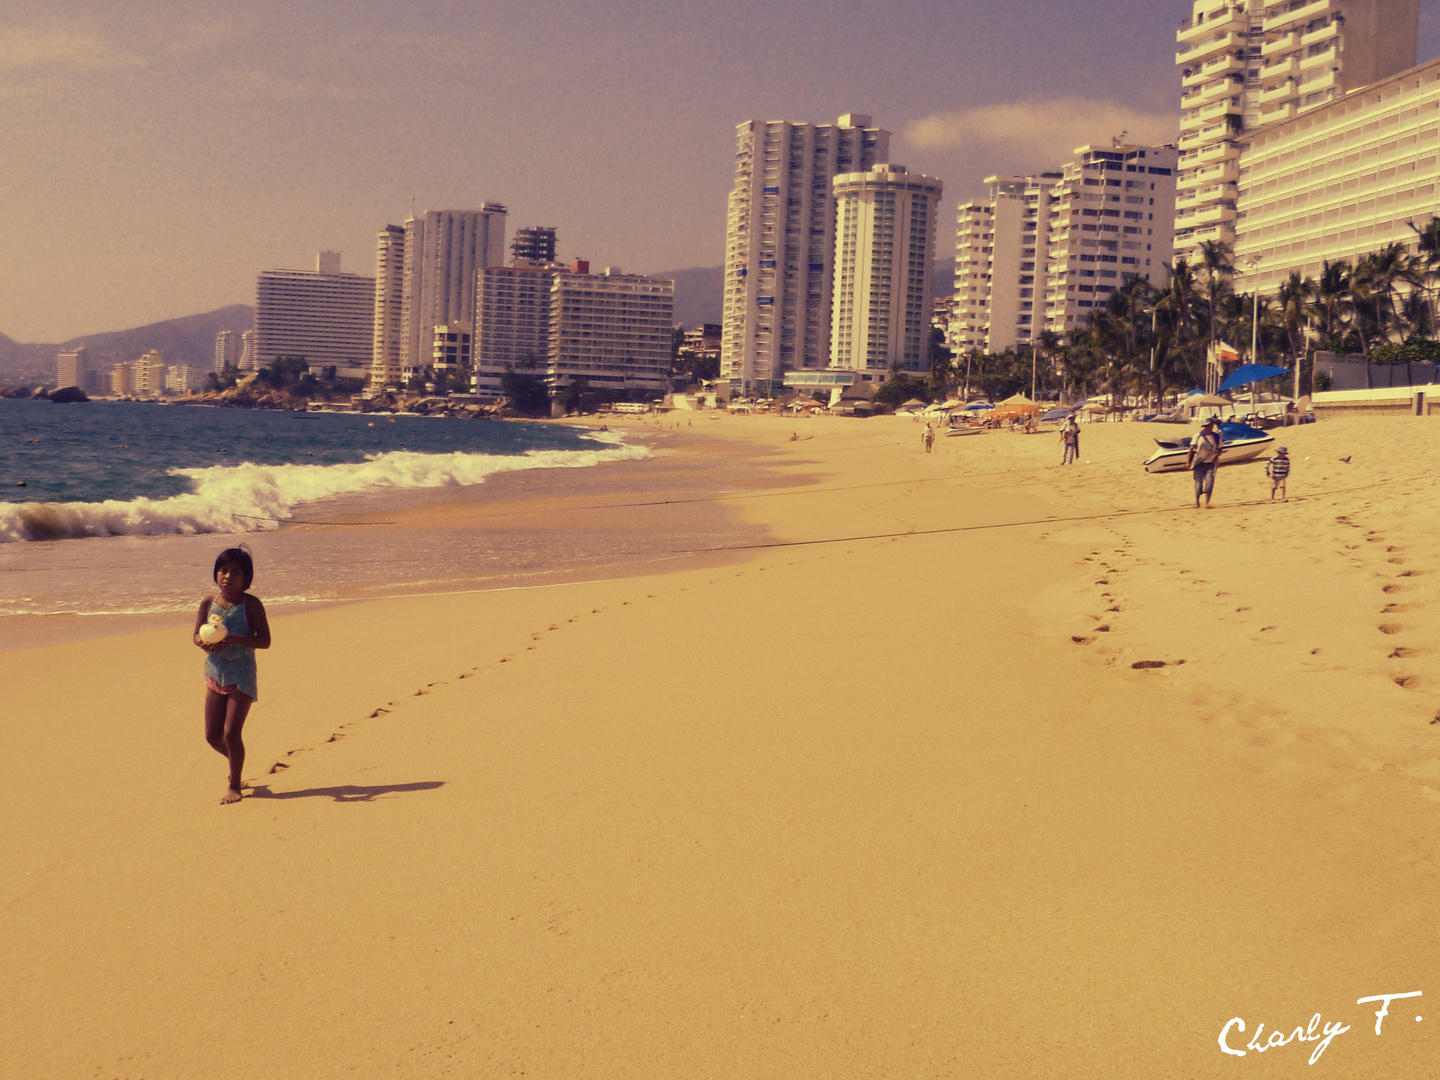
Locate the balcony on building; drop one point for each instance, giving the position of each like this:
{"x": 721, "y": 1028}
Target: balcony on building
{"x": 1214, "y": 68}
{"x": 1278, "y": 18}
{"x": 1227, "y": 19}
{"x": 1281, "y": 92}
{"x": 1208, "y": 47}
{"x": 1285, "y": 43}
{"x": 1279, "y": 69}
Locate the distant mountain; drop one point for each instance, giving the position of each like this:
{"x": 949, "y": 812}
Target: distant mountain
{"x": 699, "y": 294}
{"x": 187, "y": 340}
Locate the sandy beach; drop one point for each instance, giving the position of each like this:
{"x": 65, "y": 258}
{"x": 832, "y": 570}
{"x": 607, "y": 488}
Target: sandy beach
{"x": 876, "y": 764}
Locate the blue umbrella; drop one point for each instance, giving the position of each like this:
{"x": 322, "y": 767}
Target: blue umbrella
{"x": 1246, "y": 374}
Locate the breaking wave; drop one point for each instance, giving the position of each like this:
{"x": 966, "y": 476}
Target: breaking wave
{"x": 249, "y": 498}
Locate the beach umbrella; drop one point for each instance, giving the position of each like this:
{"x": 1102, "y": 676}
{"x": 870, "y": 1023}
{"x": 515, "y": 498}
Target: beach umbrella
{"x": 1211, "y": 399}
{"x": 977, "y": 406}
{"x": 1056, "y": 414}
{"x": 1246, "y": 374}
{"x": 1017, "y": 401}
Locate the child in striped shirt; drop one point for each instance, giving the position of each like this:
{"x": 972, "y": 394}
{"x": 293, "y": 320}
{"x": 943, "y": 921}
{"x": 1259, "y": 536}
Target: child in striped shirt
{"x": 1278, "y": 468}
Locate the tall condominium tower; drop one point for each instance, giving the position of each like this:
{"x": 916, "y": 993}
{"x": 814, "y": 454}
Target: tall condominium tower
{"x": 1112, "y": 216}
{"x": 1000, "y": 250}
{"x": 247, "y": 351}
{"x": 72, "y": 368}
{"x": 535, "y": 245}
{"x": 780, "y": 244}
{"x": 884, "y": 246}
{"x": 974, "y": 248}
{"x": 443, "y": 251}
{"x": 1245, "y": 63}
{"x": 321, "y": 314}
{"x": 227, "y": 351}
{"x": 389, "y": 304}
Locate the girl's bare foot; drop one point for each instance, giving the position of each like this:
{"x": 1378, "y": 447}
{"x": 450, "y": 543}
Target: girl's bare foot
{"x": 231, "y": 795}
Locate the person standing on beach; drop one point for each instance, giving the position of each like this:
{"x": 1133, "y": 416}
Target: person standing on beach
{"x": 928, "y": 438}
{"x": 230, "y": 675}
{"x": 1070, "y": 441}
{"x": 1278, "y": 469}
{"x": 1203, "y": 457}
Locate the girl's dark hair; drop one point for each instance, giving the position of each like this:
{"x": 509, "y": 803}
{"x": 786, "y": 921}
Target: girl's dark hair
{"x": 237, "y": 556}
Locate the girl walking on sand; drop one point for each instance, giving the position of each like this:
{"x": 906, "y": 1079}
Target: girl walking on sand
{"x": 230, "y": 676}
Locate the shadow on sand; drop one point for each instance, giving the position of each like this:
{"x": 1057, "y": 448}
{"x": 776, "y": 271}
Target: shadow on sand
{"x": 345, "y": 792}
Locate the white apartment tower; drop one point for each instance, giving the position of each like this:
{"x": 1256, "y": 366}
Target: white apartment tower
{"x": 884, "y": 248}
{"x": 247, "y": 351}
{"x": 974, "y": 248}
{"x": 444, "y": 249}
{"x": 780, "y": 244}
{"x": 321, "y": 314}
{"x": 1245, "y": 63}
{"x": 1111, "y": 218}
{"x": 72, "y": 368}
{"x": 227, "y": 351}
{"x": 389, "y": 305}
{"x": 1000, "y": 251}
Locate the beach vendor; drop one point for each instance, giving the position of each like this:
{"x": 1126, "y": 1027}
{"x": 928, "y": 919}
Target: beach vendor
{"x": 1069, "y": 440}
{"x": 1278, "y": 469}
{"x": 229, "y": 627}
{"x": 1202, "y": 459}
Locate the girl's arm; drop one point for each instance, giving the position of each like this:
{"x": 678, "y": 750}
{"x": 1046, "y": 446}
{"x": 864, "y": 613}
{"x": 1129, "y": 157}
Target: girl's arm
{"x": 200, "y": 617}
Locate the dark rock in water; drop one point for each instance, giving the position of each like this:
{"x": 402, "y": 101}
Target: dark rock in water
{"x": 66, "y": 395}
{"x": 21, "y": 483}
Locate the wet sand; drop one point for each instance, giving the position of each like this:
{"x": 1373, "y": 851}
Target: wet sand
{"x": 967, "y": 766}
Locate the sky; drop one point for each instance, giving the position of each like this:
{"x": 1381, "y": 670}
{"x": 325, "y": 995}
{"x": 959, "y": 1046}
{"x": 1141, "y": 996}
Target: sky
{"x": 154, "y": 157}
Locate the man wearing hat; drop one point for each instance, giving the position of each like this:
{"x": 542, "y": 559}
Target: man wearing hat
{"x": 1278, "y": 469}
{"x": 1204, "y": 455}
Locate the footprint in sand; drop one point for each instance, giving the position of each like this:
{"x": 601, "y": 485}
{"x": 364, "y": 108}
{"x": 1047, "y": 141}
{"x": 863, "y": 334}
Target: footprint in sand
{"x": 1412, "y": 573}
{"x": 379, "y": 712}
{"x": 1393, "y": 609}
{"x": 1389, "y": 628}
{"x": 1403, "y": 653}
{"x": 1080, "y": 640}
{"x": 1387, "y": 589}
{"x": 1405, "y": 682}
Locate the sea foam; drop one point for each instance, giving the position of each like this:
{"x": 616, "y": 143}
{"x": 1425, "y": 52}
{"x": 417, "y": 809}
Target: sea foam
{"x": 249, "y": 497}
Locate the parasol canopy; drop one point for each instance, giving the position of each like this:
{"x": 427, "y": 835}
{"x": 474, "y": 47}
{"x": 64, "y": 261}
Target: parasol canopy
{"x": 1246, "y": 374}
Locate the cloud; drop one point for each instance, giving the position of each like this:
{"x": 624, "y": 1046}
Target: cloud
{"x": 57, "y": 46}
{"x": 1044, "y": 130}
{"x": 259, "y": 85}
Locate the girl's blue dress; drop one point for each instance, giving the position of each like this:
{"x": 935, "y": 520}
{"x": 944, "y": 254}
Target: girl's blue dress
{"x": 233, "y": 666}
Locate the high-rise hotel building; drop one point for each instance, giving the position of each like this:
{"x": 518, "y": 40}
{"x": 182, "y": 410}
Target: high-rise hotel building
{"x": 389, "y": 305}
{"x": 884, "y": 250}
{"x": 323, "y": 315}
{"x": 444, "y": 251}
{"x": 1248, "y": 63}
{"x": 1001, "y": 245}
{"x": 780, "y": 244}
{"x": 1112, "y": 218}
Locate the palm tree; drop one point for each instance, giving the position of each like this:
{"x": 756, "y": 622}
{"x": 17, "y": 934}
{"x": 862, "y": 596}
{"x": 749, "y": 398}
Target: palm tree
{"x": 1295, "y": 306}
{"x": 1428, "y": 259}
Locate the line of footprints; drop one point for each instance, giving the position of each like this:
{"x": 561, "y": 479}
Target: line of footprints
{"x": 536, "y": 638}
{"x": 1396, "y": 583}
{"x": 1109, "y": 571}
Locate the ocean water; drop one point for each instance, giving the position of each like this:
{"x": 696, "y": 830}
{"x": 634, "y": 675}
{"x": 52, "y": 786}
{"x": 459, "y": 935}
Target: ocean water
{"x": 124, "y": 505}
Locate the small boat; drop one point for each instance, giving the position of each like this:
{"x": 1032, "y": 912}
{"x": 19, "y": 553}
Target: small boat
{"x": 1238, "y": 442}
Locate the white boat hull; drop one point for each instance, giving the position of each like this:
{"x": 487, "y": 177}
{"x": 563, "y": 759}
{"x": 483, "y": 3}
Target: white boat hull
{"x": 1173, "y": 459}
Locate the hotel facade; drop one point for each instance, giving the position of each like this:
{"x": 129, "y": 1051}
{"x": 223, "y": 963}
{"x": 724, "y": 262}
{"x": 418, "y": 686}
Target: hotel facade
{"x": 326, "y": 316}
{"x": 1249, "y": 63}
{"x": 1343, "y": 180}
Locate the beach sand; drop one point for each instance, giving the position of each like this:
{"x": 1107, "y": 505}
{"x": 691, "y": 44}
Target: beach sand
{"x": 876, "y": 791}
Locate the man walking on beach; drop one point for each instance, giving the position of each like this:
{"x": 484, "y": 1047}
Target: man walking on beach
{"x": 1070, "y": 440}
{"x": 1204, "y": 455}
